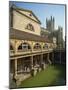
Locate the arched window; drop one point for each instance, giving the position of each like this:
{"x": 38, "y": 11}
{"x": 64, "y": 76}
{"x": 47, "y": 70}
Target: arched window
{"x": 30, "y": 27}
{"x": 37, "y": 46}
{"x": 24, "y": 46}
{"x": 45, "y": 46}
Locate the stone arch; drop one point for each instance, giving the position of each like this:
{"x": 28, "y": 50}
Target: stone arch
{"x": 37, "y": 46}
{"x": 18, "y": 44}
{"x": 24, "y": 46}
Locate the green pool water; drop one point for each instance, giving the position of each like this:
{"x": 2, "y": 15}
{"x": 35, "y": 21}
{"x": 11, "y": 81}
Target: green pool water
{"x": 53, "y": 75}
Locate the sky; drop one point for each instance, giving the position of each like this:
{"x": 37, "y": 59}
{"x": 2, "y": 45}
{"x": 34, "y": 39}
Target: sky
{"x": 43, "y": 11}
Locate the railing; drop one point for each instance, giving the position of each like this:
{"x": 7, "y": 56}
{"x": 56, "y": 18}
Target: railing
{"x": 24, "y": 51}
{"x": 28, "y": 51}
{"x": 50, "y": 49}
{"x": 45, "y": 49}
{"x": 11, "y": 52}
{"x": 37, "y": 50}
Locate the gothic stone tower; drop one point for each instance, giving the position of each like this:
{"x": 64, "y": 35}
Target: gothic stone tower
{"x": 50, "y": 23}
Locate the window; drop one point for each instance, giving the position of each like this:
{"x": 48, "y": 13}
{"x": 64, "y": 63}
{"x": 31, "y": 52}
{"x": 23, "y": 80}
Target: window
{"x": 30, "y": 27}
{"x": 25, "y": 46}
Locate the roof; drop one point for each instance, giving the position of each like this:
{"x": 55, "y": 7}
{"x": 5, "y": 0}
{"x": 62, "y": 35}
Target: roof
{"x": 18, "y": 9}
{"x": 44, "y": 30}
{"x": 21, "y": 35}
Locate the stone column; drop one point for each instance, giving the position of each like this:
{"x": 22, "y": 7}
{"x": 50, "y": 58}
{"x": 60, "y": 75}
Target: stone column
{"x": 41, "y": 58}
{"x": 32, "y": 47}
{"x": 15, "y": 67}
{"x": 31, "y": 62}
{"x": 53, "y": 57}
{"x": 48, "y": 58}
{"x": 33, "y": 71}
{"x": 15, "y": 49}
{"x": 43, "y": 66}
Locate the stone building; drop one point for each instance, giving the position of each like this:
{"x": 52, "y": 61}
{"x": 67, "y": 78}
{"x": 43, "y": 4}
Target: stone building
{"x": 58, "y": 35}
{"x": 50, "y": 24}
{"x": 44, "y": 32}
{"x": 28, "y": 49}
{"x": 55, "y": 33}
